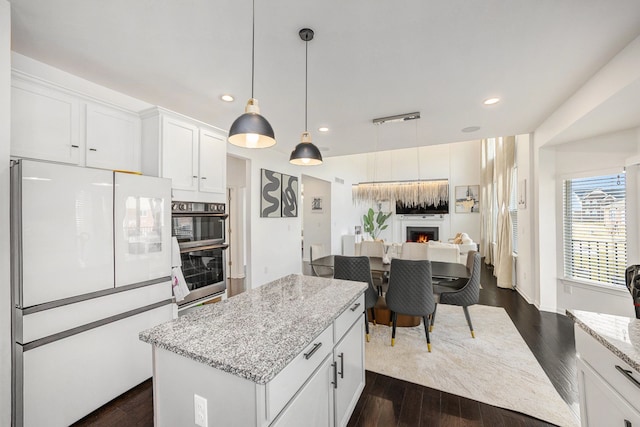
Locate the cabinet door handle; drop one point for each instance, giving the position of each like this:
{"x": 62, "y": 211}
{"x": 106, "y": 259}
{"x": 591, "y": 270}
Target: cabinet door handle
{"x": 75, "y": 146}
{"x": 629, "y": 375}
{"x": 195, "y": 176}
{"x": 315, "y": 348}
{"x": 203, "y": 177}
{"x": 93, "y": 149}
{"x": 335, "y": 374}
{"x": 341, "y": 356}
{"x": 355, "y": 307}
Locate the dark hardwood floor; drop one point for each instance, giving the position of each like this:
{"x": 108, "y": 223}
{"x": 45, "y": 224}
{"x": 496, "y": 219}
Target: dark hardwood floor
{"x": 387, "y": 401}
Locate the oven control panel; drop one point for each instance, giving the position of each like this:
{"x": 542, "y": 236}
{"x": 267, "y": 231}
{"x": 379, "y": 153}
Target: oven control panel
{"x": 196, "y": 207}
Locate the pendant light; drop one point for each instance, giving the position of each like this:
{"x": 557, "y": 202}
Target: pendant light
{"x": 251, "y": 130}
{"x": 305, "y": 153}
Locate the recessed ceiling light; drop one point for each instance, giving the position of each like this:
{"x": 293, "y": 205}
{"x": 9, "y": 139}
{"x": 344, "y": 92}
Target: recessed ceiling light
{"x": 323, "y": 129}
{"x": 471, "y": 129}
{"x": 491, "y": 101}
{"x": 227, "y": 98}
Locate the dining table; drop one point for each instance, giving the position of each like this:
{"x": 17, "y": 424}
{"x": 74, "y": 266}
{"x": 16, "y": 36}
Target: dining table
{"x": 440, "y": 271}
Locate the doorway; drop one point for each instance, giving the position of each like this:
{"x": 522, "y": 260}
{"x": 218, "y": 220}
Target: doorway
{"x": 316, "y": 215}
{"x": 238, "y": 230}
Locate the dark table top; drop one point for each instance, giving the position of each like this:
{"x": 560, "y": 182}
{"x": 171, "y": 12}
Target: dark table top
{"x": 438, "y": 268}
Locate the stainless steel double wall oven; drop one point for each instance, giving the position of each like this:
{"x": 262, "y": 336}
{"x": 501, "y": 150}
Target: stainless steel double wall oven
{"x": 200, "y": 230}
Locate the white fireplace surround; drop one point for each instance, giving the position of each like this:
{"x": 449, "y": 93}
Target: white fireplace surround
{"x": 442, "y": 222}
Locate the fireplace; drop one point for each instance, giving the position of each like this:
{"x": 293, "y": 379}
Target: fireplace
{"x": 421, "y": 234}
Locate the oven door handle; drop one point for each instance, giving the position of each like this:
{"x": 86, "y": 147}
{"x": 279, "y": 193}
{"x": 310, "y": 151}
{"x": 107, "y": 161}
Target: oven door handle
{"x": 204, "y": 248}
{"x": 199, "y": 214}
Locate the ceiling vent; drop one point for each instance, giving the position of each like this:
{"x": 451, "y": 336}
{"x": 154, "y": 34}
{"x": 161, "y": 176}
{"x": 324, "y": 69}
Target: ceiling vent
{"x": 398, "y": 118}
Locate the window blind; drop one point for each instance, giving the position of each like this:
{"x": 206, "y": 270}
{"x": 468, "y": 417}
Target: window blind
{"x": 595, "y": 235}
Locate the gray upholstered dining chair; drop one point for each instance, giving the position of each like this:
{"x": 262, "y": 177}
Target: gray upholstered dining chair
{"x": 410, "y": 292}
{"x": 465, "y": 295}
{"x": 375, "y": 249}
{"x": 357, "y": 268}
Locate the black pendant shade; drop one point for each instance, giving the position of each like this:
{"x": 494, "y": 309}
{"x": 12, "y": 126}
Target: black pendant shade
{"x": 251, "y": 130}
{"x": 305, "y": 153}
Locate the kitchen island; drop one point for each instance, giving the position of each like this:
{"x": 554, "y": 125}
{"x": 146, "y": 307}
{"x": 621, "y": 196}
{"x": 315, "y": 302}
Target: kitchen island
{"x": 608, "y": 366}
{"x": 290, "y": 352}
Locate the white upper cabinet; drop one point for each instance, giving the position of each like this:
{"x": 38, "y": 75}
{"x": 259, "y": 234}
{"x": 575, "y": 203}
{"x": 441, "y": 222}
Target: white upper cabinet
{"x": 180, "y": 154}
{"x": 212, "y": 162}
{"x": 45, "y": 123}
{"x": 113, "y": 138}
{"x": 191, "y": 153}
{"x": 51, "y": 123}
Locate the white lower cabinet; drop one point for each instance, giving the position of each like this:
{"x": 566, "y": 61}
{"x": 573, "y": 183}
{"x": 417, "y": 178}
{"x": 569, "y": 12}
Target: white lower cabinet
{"x": 601, "y": 404}
{"x": 609, "y": 388}
{"x": 349, "y": 357}
{"x": 313, "y": 405}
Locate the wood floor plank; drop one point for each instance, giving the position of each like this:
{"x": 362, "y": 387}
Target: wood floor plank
{"x": 411, "y": 406}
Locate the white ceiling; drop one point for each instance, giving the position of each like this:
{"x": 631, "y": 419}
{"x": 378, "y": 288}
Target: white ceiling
{"x": 369, "y": 59}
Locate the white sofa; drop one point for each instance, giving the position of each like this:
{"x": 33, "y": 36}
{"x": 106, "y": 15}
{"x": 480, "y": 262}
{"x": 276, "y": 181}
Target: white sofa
{"x": 435, "y": 251}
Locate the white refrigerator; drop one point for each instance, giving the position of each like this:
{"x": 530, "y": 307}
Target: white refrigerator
{"x": 91, "y": 266}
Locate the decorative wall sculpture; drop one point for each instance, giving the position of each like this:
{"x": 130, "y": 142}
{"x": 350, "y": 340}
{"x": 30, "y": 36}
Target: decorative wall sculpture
{"x": 279, "y": 195}
{"x": 431, "y": 192}
{"x": 271, "y": 194}
{"x": 289, "y": 196}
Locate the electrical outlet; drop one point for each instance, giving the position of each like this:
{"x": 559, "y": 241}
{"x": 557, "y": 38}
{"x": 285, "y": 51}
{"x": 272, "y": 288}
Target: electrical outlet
{"x": 200, "y": 409}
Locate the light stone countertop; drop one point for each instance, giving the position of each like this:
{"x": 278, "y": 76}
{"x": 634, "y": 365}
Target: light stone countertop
{"x": 255, "y": 334}
{"x": 619, "y": 334}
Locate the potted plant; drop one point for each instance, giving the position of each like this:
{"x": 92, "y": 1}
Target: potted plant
{"x": 374, "y": 224}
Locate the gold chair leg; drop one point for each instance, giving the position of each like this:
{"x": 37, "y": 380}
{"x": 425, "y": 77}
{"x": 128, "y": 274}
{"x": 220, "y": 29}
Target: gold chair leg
{"x": 393, "y": 342}
{"x": 473, "y": 334}
{"x": 429, "y": 347}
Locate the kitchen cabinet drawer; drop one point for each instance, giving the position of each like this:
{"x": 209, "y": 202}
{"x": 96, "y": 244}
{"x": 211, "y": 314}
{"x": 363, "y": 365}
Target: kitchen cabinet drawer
{"x": 604, "y": 362}
{"x": 343, "y": 323}
{"x": 291, "y": 378}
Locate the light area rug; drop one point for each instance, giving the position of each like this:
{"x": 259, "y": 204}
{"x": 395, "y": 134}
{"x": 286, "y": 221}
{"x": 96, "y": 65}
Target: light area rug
{"x": 496, "y": 367}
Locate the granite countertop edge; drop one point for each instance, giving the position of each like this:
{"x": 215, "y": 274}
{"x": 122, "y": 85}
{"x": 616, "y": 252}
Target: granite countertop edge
{"x": 248, "y": 373}
{"x": 615, "y": 349}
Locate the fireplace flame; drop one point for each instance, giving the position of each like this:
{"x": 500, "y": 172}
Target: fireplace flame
{"x": 422, "y": 238}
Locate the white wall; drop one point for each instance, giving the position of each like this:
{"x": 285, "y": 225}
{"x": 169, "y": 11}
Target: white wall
{"x": 316, "y": 225}
{"x": 586, "y": 155}
{"x": 5, "y": 290}
{"x": 273, "y": 243}
{"x": 458, "y": 162}
{"x": 524, "y": 262}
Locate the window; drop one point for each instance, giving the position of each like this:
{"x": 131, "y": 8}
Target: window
{"x": 595, "y": 236}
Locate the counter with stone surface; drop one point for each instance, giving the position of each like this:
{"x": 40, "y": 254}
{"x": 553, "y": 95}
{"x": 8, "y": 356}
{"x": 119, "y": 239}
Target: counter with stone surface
{"x": 618, "y": 334}
{"x": 267, "y": 357}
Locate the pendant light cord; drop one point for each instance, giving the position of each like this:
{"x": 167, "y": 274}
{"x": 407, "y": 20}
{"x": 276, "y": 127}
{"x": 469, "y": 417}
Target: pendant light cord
{"x": 306, "y": 84}
{"x": 253, "y": 43}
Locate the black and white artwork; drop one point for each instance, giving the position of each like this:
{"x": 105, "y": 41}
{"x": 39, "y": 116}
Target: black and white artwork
{"x": 271, "y": 193}
{"x": 289, "y": 196}
{"x": 316, "y": 205}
